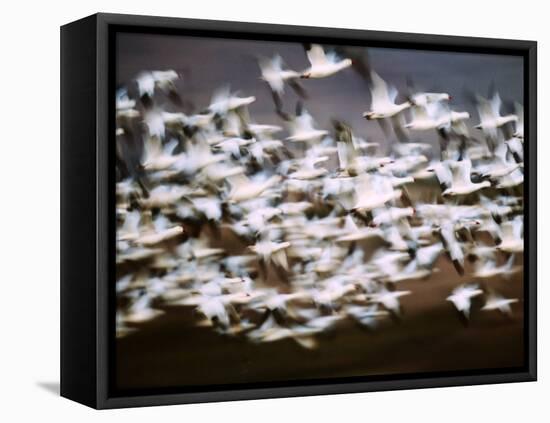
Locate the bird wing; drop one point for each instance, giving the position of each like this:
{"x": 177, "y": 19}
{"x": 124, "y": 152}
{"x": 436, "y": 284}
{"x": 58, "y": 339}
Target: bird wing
{"x": 461, "y": 172}
{"x": 517, "y": 228}
{"x": 495, "y": 104}
{"x": 316, "y": 55}
{"x": 419, "y": 113}
{"x": 146, "y": 84}
{"x": 304, "y": 122}
{"x": 379, "y": 92}
{"x": 271, "y": 73}
{"x": 485, "y": 110}
{"x": 131, "y": 223}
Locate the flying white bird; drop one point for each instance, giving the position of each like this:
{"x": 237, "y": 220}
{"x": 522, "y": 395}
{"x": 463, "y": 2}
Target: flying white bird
{"x": 389, "y": 299}
{"x": 461, "y": 298}
{"x": 512, "y": 236}
{"x": 383, "y": 100}
{"x": 498, "y": 302}
{"x": 302, "y": 128}
{"x": 462, "y": 181}
{"x": 323, "y": 64}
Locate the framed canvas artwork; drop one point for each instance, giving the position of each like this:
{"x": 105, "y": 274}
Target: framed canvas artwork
{"x": 255, "y": 211}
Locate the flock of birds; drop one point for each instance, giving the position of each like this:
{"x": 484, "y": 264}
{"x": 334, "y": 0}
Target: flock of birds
{"x": 285, "y": 232}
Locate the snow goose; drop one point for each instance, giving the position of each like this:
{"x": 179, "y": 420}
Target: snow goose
{"x": 216, "y": 310}
{"x": 129, "y": 230}
{"x": 307, "y": 170}
{"x": 515, "y": 145}
{"x": 333, "y": 290}
{"x": 374, "y": 192}
{"x": 224, "y": 101}
{"x": 442, "y": 172}
{"x": 218, "y": 171}
{"x": 263, "y": 130}
{"x": 164, "y": 80}
{"x": 461, "y": 298}
{"x": 243, "y": 188}
{"x": 425, "y": 257}
{"x": 411, "y": 148}
{"x": 389, "y": 215}
{"x": 302, "y": 127}
{"x": 161, "y": 230}
{"x": 141, "y": 310}
{"x": 157, "y": 156}
{"x": 271, "y": 331}
{"x": 123, "y": 101}
{"x": 154, "y": 122}
{"x": 428, "y": 117}
{"x": 519, "y": 122}
{"x": 500, "y": 303}
{"x": 353, "y": 233}
{"x": 425, "y": 98}
{"x": 164, "y": 196}
{"x": 269, "y": 251}
{"x": 233, "y": 145}
{"x": 462, "y": 183}
{"x": 511, "y": 180}
{"x": 387, "y": 263}
{"x": 329, "y": 260}
{"x": 406, "y": 165}
{"x": 500, "y": 165}
{"x": 412, "y": 271}
{"x": 389, "y": 299}
{"x": 487, "y": 268}
{"x": 196, "y": 157}
{"x": 452, "y": 245}
{"x": 383, "y": 100}
{"x": 490, "y": 117}
{"x": 368, "y": 316}
{"x": 512, "y": 236}
{"x": 276, "y": 76}
{"x": 199, "y": 251}
{"x": 322, "y": 64}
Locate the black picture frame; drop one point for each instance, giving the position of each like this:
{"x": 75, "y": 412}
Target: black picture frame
{"x": 87, "y": 198}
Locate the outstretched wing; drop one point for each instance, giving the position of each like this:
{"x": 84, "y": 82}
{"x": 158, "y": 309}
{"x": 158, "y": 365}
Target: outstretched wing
{"x": 316, "y": 55}
{"x": 381, "y": 96}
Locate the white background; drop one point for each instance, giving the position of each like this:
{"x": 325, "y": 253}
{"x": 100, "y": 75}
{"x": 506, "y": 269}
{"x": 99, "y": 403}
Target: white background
{"x": 29, "y": 235}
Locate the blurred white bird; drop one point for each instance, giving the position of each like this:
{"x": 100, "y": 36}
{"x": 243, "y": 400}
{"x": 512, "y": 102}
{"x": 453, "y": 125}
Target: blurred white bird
{"x": 461, "y": 298}
{"x": 462, "y": 183}
{"x": 322, "y": 64}
{"x": 498, "y": 302}
{"x": 383, "y": 100}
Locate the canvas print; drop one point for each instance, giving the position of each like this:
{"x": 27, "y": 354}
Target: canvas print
{"x": 302, "y": 211}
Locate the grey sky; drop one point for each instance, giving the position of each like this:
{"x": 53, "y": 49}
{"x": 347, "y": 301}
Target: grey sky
{"x": 208, "y": 64}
